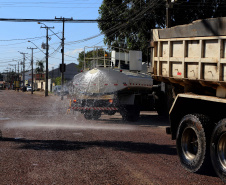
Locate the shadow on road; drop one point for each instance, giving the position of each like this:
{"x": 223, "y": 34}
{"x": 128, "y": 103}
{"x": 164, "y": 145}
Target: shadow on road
{"x": 61, "y": 145}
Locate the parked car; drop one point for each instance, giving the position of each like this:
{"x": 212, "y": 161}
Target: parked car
{"x": 1, "y": 86}
{"x": 28, "y": 88}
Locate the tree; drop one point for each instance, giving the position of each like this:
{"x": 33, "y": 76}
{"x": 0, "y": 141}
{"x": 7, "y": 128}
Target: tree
{"x": 127, "y": 23}
{"x": 1, "y": 77}
{"x": 40, "y": 66}
{"x": 184, "y": 12}
{"x": 58, "y": 81}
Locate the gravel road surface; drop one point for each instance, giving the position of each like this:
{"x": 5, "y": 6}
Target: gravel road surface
{"x": 41, "y": 144}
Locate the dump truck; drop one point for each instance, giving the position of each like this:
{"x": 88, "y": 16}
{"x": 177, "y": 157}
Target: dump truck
{"x": 191, "y": 61}
{"x": 119, "y": 85}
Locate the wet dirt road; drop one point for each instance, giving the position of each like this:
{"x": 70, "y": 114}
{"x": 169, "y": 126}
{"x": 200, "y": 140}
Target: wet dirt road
{"x": 43, "y": 145}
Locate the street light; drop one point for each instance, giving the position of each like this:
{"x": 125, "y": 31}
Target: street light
{"x": 36, "y": 46}
{"x": 47, "y": 56}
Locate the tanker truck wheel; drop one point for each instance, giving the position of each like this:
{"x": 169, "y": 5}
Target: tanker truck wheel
{"x": 92, "y": 115}
{"x": 130, "y": 113}
{"x": 218, "y": 149}
{"x": 96, "y": 115}
{"x": 192, "y": 143}
{"x": 110, "y": 113}
{"x": 88, "y": 115}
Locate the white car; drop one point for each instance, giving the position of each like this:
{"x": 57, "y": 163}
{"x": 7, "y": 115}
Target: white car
{"x": 28, "y": 88}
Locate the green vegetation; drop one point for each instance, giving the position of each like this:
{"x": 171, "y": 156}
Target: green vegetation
{"x": 40, "y": 66}
{"x": 57, "y": 81}
{"x": 129, "y": 21}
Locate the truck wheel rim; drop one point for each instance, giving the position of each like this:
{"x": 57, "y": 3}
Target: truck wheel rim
{"x": 221, "y": 150}
{"x": 189, "y": 143}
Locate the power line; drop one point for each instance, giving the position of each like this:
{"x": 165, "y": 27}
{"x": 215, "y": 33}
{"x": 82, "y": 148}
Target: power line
{"x": 56, "y": 20}
{"x": 34, "y": 38}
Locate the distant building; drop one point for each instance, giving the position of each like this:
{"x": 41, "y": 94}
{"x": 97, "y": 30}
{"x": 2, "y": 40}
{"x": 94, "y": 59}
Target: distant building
{"x": 39, "y": 79}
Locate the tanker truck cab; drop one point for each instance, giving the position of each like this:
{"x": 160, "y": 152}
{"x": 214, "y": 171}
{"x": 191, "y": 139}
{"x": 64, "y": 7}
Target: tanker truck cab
{"x": 110, "y": 89}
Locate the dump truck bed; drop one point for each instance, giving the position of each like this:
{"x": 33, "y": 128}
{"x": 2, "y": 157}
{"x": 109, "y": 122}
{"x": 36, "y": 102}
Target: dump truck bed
{"x": 193, "y": 52}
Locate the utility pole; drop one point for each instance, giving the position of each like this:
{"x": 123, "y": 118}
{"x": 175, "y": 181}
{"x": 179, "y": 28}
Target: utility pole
{"x": 18, "y": 67}
{"x": 52, "y": 72}
{"x": 13, "y": 76}
{"x": 23, "y": 68}
{"x": 168, "y": 13}
{"x": 18, "y": 77}
{"x": 7, "y": 75}
{"x": 62, "y": 51}
{"x": 47, "y": 56}
{"x": 32, "y": 69}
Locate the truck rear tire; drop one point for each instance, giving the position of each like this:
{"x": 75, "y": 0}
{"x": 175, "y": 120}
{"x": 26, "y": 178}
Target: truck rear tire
{"x": 218, "y": 149}
{"x": 96, "y": 115}
{"x": 110, "y": 113}
{"x": 192, "y": 143}
{"x": 87, "y": 116}
{"x": 130, "y": 113}
{"x": 92, "y": 115}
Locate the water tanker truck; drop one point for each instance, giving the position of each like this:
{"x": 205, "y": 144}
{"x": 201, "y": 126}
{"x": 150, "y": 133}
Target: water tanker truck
{"x": 191, "y": 61}
{"x": 122, "y": 85}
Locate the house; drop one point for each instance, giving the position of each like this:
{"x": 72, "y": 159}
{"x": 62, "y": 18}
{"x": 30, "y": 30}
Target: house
{"x": 39, "y": 79}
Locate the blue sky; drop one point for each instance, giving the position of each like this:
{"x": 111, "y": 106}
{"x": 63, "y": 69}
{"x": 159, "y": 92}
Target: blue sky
{"x": 15, "y": 35}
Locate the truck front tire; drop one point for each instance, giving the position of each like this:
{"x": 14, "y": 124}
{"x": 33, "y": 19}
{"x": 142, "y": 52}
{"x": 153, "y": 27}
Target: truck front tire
{"x": 218, "y": 149}
{"x": 192, "y": 142}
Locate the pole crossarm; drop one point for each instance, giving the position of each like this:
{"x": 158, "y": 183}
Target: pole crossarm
{"x": 36, "y": 46}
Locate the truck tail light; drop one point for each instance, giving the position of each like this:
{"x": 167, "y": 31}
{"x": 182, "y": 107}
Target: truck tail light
{"x": 110, "y": 101}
